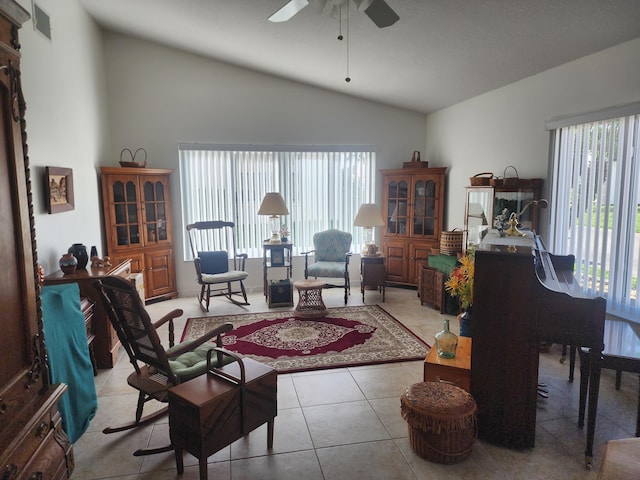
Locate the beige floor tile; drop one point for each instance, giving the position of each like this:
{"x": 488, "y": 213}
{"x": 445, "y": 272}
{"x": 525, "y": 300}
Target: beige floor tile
{"x": 372, "y": 461}
{"x": 287, "y": 395}
{"x": 344, "y": 423}
{"x": 290, "y": 435}
{"x": 321, "y": 389}
{"x": 285, "y": 466}
{"x": 387, "y": 382}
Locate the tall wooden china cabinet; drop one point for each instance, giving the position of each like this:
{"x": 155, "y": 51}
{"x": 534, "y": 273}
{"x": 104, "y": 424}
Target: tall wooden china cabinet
{"x": 137, "y": 217}
{"x": 32, "y": 442}
{"x": 413, "y": 209}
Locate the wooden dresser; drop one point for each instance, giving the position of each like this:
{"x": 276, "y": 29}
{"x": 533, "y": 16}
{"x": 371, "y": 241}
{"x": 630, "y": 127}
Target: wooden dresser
{"x": 32, "y": 442}
{"x": 106, "y": 342}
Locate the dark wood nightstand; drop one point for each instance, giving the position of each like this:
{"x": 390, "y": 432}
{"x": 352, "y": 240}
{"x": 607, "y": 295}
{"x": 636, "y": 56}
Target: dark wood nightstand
{"x": 373, "y": 274}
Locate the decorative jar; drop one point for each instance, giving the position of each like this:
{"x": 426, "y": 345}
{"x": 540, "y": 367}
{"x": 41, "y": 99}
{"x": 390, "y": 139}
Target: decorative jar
{"x": 80, "y": 252}
{"x": 68, "y": 263}
{"x": 446, "y": 342}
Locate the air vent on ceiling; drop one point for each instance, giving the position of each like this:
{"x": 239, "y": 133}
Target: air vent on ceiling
{"x": 41, "y": 21}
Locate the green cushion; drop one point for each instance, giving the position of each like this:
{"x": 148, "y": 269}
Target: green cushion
{"x": 192, "y": 364}
{"x": 443, "y": 263}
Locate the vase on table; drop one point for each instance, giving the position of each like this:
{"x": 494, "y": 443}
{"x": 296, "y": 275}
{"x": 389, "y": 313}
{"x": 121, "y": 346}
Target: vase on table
{"x": 446, "y": 341}
{"x": 465, "y": 323}
{"x": 80, "y": 252}
{"x": 68, "y": 263}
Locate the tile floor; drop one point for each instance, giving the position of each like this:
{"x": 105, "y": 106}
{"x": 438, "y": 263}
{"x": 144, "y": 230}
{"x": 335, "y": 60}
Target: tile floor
{"x": 346, "y": 423}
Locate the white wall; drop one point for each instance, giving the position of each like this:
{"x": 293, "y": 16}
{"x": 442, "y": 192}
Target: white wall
{"x": 506, "y": 126}
{"x": 66, "y": 117}
{"x": 159, "y": 97}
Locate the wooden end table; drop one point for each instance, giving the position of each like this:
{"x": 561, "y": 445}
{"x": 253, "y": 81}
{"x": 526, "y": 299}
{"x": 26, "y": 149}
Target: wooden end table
{"x": 373, "y": 274}
{"x": 456, "y": 370}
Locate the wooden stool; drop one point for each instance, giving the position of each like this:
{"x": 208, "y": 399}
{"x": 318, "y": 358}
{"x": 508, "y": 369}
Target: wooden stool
{"x": 441, "y": 420}
{"x": 310, "y": 304}
{"x": 215, "y": 409}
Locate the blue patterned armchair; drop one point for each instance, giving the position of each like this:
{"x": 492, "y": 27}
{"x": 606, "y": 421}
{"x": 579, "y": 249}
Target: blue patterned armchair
{"x": 330, "y": 259}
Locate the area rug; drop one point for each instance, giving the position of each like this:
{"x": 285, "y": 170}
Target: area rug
{"x": 347, "y": 336}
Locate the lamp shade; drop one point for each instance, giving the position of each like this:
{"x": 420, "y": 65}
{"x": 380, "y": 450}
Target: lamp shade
{"x": 368, "y": 216}
{"x": 273, "y": 204}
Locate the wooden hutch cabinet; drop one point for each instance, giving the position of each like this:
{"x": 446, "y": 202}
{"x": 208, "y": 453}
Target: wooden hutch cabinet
{"x": 137, "y": 217}
{"x": 413, "y": 209}
{"x": 32, "y": 442}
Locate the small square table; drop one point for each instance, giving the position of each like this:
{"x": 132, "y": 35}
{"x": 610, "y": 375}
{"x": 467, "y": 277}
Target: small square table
{"x": 456, "y": 370}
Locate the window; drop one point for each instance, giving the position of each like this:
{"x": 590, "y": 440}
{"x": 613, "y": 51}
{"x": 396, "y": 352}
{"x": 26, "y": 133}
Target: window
{"x": 596, "y": 207}
{"x": 322, "y": 187}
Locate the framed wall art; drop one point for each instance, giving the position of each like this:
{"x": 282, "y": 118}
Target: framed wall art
{"x": 58, "y": 188}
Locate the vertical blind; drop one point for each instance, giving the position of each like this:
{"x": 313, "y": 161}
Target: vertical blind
{"x": 596, "y": 205}
{"x": 322, "y": 187}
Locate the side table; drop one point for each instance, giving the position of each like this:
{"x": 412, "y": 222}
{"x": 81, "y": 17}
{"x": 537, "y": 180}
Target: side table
{"x": 456, "y": 370}
{"x": 373, "y": 274}
{"x": 214, "y": 410}
{"x": 276, "y": 255}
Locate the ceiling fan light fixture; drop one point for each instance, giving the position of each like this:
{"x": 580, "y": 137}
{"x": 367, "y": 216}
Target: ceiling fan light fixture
{"x": 381, "y": 13}
{"x": 288, "y": 10}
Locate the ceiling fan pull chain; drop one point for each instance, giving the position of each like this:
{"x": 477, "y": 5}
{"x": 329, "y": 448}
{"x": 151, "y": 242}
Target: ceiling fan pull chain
{"x": 348, "y": 79}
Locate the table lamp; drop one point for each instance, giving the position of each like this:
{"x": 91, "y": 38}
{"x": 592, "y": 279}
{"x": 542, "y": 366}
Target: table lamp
{"x": 274, "y": 206}
{"x": 368, "y": 216}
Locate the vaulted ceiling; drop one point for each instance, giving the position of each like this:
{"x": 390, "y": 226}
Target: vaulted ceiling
{"x": 439, "y": 53}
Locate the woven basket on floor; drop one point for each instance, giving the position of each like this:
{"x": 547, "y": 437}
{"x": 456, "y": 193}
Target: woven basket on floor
{"x": 441, "y": 419}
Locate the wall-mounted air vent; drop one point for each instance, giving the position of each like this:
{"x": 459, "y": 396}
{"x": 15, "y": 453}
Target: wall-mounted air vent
{"x": 41, "y": 21}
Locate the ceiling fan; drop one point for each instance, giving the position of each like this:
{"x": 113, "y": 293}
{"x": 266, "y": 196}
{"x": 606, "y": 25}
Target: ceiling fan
{"x": 377, "y": 10}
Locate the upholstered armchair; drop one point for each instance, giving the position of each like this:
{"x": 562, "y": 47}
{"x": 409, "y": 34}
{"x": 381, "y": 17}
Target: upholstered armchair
{"x": 330, "y": 259}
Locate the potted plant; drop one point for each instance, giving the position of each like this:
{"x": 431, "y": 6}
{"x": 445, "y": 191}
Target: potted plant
{"x": 460, "y": 285}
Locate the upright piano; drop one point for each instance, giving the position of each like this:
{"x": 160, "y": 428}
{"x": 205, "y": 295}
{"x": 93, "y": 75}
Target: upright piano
{"x": 524, "y": 295}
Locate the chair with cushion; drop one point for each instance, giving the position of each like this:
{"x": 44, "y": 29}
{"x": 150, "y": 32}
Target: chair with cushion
{"x": 331, "y": 258}
{"x": 210, "y": 243}
{"x": 156, "y": 369}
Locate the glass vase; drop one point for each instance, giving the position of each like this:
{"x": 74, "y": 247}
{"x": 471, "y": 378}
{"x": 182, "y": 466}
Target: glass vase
{"x": 446, "y": 342}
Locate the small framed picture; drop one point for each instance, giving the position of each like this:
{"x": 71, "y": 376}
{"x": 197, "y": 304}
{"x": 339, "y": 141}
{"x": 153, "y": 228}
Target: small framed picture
{"x": 58, "y": 187}
{"x": 277, "y": 257}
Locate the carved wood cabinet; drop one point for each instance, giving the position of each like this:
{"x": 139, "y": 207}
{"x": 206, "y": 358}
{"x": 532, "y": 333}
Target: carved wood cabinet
{"x": 137, "y": 218}
{"x": 32, "y": 442}
{"x": 413, "y": 209}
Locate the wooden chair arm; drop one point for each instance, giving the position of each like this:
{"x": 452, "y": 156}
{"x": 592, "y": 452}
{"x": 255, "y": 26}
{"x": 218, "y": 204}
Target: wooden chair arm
{"x": 190, "y": 345}
{"x": 169, "y": 318}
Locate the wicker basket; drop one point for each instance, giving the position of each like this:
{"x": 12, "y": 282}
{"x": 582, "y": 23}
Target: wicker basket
{"x": 481, "y": 179}
{"x": 451, "y": 242}
{"x": 441, "y": 419}
{"x": 133, "y": 163}
{"x": 510, "y": 181}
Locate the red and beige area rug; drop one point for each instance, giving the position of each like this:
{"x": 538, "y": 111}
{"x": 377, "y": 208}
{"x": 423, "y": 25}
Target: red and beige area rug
{"x": 347, "y": 336}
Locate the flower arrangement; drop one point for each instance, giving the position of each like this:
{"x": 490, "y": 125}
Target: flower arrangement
{"x": 460, "y": 282}
{"x": 284, "y": 231}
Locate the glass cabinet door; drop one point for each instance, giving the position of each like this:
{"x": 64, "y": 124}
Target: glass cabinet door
{"x": 424, "y": 209}
{"x": 513, "y": 201}
{"x": 155, "y": 210}
{"x": 125, "y": 205}
{"x": 478, "y": 219}
{"x": 397, "y": 203}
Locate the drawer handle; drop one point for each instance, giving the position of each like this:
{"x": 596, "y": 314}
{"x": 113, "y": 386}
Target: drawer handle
{"x": 42, "y": 430}
{"x": 438, "y": 379}
{"x": 36, "y": 476}
{"x": 9, "y": 472}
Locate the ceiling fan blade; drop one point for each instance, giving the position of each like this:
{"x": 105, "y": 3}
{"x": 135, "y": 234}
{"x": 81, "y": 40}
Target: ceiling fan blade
{"x": 288, "y": 10}
{"x": 381, "y": 13}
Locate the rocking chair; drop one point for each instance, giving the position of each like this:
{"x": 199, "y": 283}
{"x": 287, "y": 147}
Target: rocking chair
{"x": 156, "y": 369}
{"x": 209, "y": 245}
